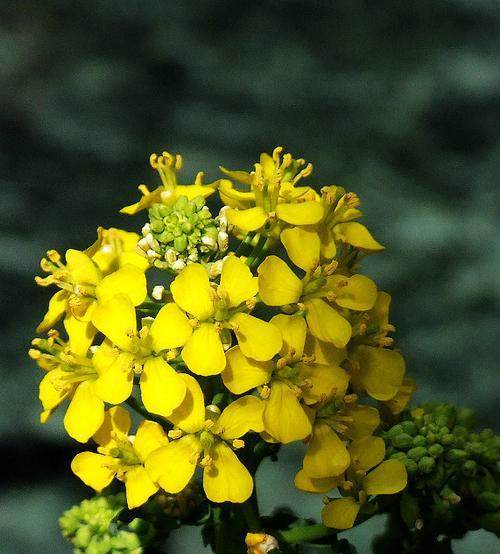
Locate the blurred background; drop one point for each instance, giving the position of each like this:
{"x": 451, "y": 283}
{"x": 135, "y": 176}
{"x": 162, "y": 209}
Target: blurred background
{"x": 398, "y": 101}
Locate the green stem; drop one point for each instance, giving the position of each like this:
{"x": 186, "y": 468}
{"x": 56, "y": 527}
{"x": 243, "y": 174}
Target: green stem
{"x": 245, "y": 244}
{"x": 250, "y": 511}
{"x": 141, "y": 410}
{"x": 308, "y": 533}
{"x": 256, "y": 251}
{"x": 267, "y": 247}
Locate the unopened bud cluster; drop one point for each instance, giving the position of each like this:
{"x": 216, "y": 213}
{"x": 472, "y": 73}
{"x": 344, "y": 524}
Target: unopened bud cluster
{"x": 183, "y": 233}
{"x": 453, "y": 471}
{"x": 92, "y": 527}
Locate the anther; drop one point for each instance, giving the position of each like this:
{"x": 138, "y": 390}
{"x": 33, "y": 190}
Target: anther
{"x": 238, "y": 443}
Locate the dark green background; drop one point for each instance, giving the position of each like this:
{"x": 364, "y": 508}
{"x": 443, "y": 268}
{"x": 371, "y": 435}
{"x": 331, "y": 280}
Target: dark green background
{"x": 398, "y": 101}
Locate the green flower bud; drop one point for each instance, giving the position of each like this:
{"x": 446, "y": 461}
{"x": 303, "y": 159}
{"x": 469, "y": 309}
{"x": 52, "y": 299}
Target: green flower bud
{"x": 411, "y": 466}
{"x": 489, "y": 501}
{"x": 417, "y": 453}
{"x": 180, "y": 243}
{"x": 409, "y": 427}
{"x": 456, "y": 455}
{"x": 419, "y": 440}
{"x": 402, "y": 441}
{"x": 436, "y": 450}
{"x": 426, "y": 465}
{"x": 396, "y": 430}
{"x": 447, "y": 440}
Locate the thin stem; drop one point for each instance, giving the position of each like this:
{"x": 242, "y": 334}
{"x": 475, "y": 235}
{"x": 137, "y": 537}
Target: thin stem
{"x": 141, "y": 410}
{"x": 245, "y": 244}
{"x": 250, "y": 511}
{"x": 308, "y": 533}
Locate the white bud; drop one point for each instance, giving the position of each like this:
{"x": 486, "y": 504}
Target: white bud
{"x": 152, "y": 255}
{"x": 208, "y": 241}
{"x": 223, "y": 240}
{"x": 143, "y": 244}
{"x": 146, "y": 229}
{"x": 215, "y": 269}
{"x": 158, "y": 291}
{"x": 178, "y": 265}
{"x": 193, "y": 256}
{"x": 153, "y": 243}
{"x": 170, "y": 256}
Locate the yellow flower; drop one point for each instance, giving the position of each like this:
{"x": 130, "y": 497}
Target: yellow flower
{"x": 70, "y": 375}
{"x": 83, "y": 285}
{"x": 115, "y": 248}
{"x": 218, "y": 310}
{"x": 167, "y": 166}
{"x": 120, "y": 456}
{"x": 367, "y": 475}
{"x": 206, "y": 437}
{"x": 162, "y": 388}
{"x": 291, "y": 382}
{"x": 272, "y": 194}
{"x": 279, "y": 286}
{"x": 377, "y": 371}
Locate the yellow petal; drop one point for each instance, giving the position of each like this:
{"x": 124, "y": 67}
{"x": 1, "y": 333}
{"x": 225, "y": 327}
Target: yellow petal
{"x": 365, "y": 420}
{"x": 239, "y": 417}
{"x": 389, "y": 477}
{"x": 340, "y": 513}
{"x": 192, "y": 191}
{"x": 138, "y": 487}
{"x": 150, "y": 436}
{"x": 53, "y": 390}
{"x": 191, "y": 291}
{"x": 278, "y": 284}
{"x": 162, "y": 388}
{"x": 324, "y": 352}
{"x": 327, "y": 243}
{"x": 203, "y": 353}
{"x": 326, "y": 324}
{"x": 226, "y": 479}
{"x": 357, "y": 235}
{"x": 56, "y": 309}
{"x": 233, "y": 197}
{"x": 379, "y": 314}
{"x": 237, "y": 281}
{"x": 300, "y": 213}
{"x": 257, "y": 339}
{"x": 399, "y": 402}
{"x": 93, "y": 469}
{"x": 104, "y": 356}
{"x": 82, "y": 269}
{"x": 381, "y": 371}
{"x": 115, "y": 384}
{"x": 367, "y": 452}
{"x": 293, "y": 330}
{"x": 308, "y": 484}
{"x": 172, "y": 466}
{"x": 116, "y": 320}
{"x": 128, "y": 280}
{"x": 117, "y": 423}
{"x": 355, "y": 293}
{"x": 146, "y": 201}
{"x": 80, "y": 333}
{"x": 302, "y": 247}
{"x": 190, "y": 415}
{"x": 247, "y": 220}
{"x": 326, "y": 454}
{"x": 242, "y": 374}
{"x": 170, "y": 328}
{"x": 284, "y": 417}
{"x": 325, "y": 382}
{"x": 85, "y": 413}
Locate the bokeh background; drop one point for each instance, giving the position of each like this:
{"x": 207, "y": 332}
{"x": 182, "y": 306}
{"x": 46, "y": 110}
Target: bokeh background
{"x": 398, "y": 101}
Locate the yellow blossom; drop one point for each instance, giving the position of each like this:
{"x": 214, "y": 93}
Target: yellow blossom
{"x": 272, "y": 194}
{"x": 121, "y": 456}
{"x": 133, "y": 351}
{"x": 206, "y": 437}
{"x": 167, "y": 165}
{"x": 293, "y": 381}
{"x": 218, "y": 310}
{"x": 366, "y": 476}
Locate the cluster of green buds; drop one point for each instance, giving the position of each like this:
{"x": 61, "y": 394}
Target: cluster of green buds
{"x": 183, "y": 233}
{"x": 454, "y": 474}
{"x": 93, "y": 527}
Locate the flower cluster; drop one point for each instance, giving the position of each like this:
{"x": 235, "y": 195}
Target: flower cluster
{"x": 453, "y": 471}
{"x": 279, "y": 340}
